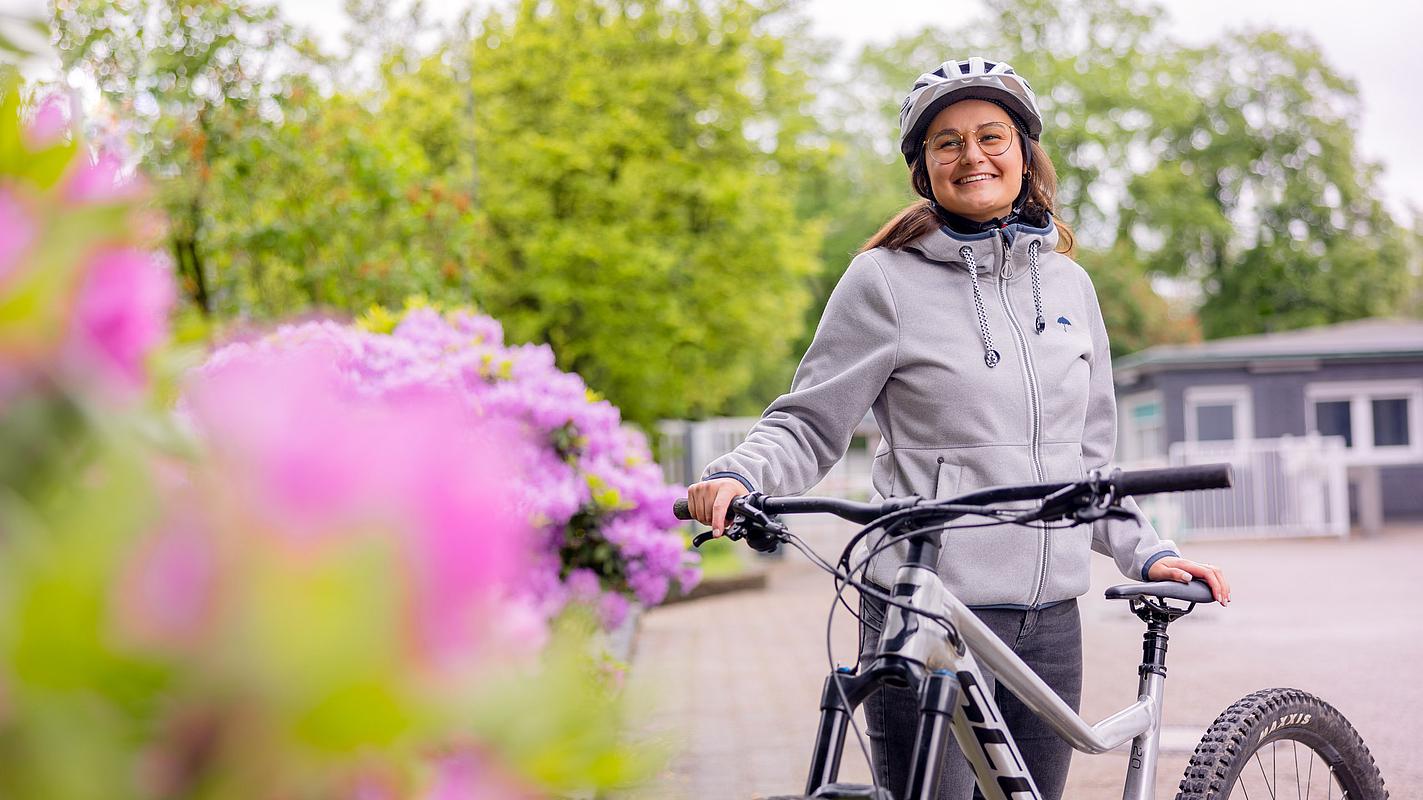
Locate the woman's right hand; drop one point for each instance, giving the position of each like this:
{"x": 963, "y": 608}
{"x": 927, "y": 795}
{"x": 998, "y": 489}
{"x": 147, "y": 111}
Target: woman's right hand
{"x": 709, "y": 500}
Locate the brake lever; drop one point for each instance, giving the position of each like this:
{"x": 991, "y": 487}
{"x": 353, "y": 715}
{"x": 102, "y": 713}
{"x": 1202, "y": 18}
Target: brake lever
{"x": 734, "y": 531}
{"x": 1104, "y": 505}
{"x": 761, "y": 531}
{"x": 1113, "y": 511}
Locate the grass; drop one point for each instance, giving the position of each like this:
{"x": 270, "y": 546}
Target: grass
{"x": 722, "y": 558}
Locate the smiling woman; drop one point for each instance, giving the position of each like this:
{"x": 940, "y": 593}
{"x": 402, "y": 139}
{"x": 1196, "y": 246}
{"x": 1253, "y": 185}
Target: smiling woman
{"x": 974, "y": 168}
{"x": 909, "y": 333}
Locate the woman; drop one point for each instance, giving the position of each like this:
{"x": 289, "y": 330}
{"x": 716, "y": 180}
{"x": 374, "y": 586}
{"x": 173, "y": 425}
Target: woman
{"x": 979, "y": 346}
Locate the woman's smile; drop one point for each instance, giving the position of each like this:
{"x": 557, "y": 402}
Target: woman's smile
{"x": 975, "y": 178}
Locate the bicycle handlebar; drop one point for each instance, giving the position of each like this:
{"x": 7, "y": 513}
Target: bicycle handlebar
{"x": 1136, "y": 482}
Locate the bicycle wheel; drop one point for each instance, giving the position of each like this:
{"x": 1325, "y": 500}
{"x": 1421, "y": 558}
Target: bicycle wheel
{"x": 1279, "y": 743}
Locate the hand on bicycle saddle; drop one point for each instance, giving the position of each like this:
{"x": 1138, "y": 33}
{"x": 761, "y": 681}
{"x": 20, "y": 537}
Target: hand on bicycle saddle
{"x": 1183, "y": 570}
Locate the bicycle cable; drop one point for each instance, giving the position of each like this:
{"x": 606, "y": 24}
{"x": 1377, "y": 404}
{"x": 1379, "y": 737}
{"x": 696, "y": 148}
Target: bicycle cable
{"x": 842, "y": 581}
{"x": 847, "y": 579}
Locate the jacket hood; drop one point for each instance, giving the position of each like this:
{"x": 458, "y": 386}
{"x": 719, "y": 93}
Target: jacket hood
{"x": 945, "y": 245}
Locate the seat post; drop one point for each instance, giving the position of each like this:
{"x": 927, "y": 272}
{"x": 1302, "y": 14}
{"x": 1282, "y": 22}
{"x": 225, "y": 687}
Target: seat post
{"x": 1151, "y": 684}
{"x": 1153, "y": 645}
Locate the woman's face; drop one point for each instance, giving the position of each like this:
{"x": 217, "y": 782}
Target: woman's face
{"x": 978, "y": 185}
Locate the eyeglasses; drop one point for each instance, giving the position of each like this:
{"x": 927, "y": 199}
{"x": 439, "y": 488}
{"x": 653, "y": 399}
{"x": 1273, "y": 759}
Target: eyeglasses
{"x": 993, "y": 138}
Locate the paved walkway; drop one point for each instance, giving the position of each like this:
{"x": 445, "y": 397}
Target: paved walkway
{"x": 735, "y": 680}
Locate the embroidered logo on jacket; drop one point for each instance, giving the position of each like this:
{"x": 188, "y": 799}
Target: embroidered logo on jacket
{"x": 1065, "y": 323}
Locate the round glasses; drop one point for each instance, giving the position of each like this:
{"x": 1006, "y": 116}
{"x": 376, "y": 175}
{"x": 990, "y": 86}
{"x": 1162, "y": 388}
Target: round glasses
{"x": 993, "y": 138}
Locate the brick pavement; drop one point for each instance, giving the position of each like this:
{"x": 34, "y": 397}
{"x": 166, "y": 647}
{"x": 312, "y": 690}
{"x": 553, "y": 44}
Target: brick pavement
{"x": 734, "y": 680}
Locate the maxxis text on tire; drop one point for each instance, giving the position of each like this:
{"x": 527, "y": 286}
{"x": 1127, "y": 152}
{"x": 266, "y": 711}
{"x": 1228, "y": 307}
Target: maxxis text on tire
{"x": 1272, "y": 715}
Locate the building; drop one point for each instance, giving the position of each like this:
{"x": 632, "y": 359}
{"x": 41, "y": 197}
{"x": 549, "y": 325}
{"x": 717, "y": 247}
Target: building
{"x": 1345, "y": 400}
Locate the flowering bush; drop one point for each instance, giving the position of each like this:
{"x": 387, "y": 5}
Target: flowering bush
{"x": 314, "y": 581}
{"x": 602, "y": 513}
{"x": 91, "y": 306}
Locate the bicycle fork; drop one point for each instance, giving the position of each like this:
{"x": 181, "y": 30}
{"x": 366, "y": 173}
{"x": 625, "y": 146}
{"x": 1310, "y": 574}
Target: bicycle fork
{"x": 952, "y": 701}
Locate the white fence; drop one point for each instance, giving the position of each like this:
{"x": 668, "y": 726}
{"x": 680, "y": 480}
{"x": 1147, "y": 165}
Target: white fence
{"x": 1291, "y": 486}
{"x": 685, "y": 448}
{"x": 1287, "y": 487}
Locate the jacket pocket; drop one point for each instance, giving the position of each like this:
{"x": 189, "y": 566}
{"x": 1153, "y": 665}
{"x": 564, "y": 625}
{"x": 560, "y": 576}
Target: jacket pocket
{"x": 946, "y": 485}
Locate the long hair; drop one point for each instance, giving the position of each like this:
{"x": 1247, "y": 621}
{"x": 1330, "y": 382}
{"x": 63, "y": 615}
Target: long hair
{"x": 918, "y": 218}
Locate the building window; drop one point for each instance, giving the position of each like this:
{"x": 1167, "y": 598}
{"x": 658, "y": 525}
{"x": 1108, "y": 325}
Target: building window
{"x": 1218, "y": 414}
{"x": 1333, "y": 418}
{"x": 1143, "y": 427}
{"x": 1378, "y": 420}
{"x": 1390, "y": 422}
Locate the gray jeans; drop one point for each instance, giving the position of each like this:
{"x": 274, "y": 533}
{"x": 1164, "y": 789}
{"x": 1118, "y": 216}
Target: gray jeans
{"x": 1049, "y": 640}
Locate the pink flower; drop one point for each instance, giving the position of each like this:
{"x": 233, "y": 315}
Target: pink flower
{"x": 471, "y": 775}
{"x": 17, "y": 232}
{"x": 49, "y": 125}
{"x": 167, "y": 593}
{"x": 315, "y": 460}
{"x": 101, "y": 181}
{"x": 583, "y": 585}
{"x": 121, "y": 313}
{"x": 613, "y": 609}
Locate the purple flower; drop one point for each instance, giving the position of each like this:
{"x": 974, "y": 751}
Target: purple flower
{"x": 314, "y": 462}
{"x": 613, "y": 609}
{"x": 571, "y": 460}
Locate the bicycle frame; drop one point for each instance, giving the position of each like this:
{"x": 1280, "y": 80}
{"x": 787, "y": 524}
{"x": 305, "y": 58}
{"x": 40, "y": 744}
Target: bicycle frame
{"x": 913, "y": 651}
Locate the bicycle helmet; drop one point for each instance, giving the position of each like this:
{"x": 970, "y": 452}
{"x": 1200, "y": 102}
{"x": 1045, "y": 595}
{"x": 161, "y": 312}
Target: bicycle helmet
{"x": 972, "y": 79}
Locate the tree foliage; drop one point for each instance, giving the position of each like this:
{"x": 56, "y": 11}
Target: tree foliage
{"x": 186, "y": 79}
{"x": 638, "y": 170}
{"x": 661, "y": 192}
{"x": 1261, "y": 194}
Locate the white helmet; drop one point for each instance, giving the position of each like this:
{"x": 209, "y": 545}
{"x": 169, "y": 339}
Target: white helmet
{"x": 973, "y": 79}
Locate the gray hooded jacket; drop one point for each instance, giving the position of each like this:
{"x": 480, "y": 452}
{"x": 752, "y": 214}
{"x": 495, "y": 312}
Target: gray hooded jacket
{"x": 906, "y": 334}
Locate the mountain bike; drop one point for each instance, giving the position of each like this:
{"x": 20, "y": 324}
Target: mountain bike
{"x": 933, "y": 644}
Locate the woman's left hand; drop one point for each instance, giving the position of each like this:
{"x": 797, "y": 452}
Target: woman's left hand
{"x": 1175, "y": 568}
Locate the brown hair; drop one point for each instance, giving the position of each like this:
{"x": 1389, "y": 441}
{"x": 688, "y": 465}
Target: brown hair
{"x": 918, "y": 218}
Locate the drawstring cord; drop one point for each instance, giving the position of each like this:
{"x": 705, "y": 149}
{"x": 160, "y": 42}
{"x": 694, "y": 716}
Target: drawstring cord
{"x": 990, "y": 356}
{"x": 1033, "y": 248}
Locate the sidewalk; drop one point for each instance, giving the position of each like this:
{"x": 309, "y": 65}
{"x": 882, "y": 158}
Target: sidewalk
{"x": 735, "y": 680}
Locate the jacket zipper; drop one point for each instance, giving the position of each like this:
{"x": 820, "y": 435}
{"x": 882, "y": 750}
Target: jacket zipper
{"x": 1034, "y": 401}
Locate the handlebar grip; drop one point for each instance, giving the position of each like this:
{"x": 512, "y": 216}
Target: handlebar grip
{"x": 681, "y": 509}
{"x": 1175, "y": 479}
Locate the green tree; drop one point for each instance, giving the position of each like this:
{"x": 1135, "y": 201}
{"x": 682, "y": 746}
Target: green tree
{"x": 638, "y": 171}
{"x": 1260, "y": 192}
{"x": 186, "y": 78}
{"x": 343, "y": 204}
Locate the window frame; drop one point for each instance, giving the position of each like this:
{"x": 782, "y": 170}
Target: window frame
{"x": 1360, "y": 396}
{"x": 1127, "y": 433}
{"x": 1239, "y": 395}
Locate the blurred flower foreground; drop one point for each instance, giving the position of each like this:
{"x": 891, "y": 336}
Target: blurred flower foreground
{"x": 349, "y": 565}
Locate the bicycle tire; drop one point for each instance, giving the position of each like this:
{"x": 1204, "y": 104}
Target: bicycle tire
{"x": 1267, "y": 719}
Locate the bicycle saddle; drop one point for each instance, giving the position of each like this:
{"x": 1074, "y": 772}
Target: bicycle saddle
{"x": 1197, "y": 591}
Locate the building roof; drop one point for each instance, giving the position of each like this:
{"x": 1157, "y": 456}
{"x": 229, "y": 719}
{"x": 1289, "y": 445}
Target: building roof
{"x": 1359, "y": 339}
